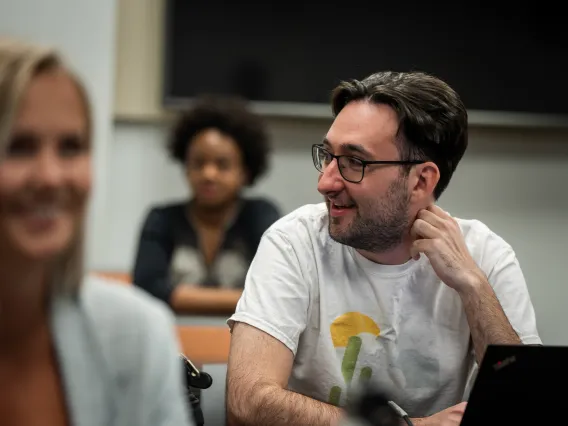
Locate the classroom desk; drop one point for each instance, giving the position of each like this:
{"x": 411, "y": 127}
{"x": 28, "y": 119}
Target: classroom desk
{"x": 204, "y": 340}
{"x": 190, "y": 301}
{"x": 214, "y": 302}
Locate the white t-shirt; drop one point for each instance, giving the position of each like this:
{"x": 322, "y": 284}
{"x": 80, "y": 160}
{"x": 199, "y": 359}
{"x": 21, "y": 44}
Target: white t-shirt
{"x": 347, "y": 319}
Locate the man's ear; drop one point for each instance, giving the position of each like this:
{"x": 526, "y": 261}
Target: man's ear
{"x": 425, "y": 178}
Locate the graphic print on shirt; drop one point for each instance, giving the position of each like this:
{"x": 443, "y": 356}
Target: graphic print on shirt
{"x": 347, "y": 331}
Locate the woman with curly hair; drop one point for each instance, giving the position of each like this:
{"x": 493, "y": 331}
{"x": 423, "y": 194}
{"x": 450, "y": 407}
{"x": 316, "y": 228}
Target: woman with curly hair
{"x": 209, "y": 240}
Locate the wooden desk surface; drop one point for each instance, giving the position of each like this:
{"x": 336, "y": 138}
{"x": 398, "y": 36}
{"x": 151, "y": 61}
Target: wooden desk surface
{"x": 205, "y": 344}
{"x": 187, "y": 300}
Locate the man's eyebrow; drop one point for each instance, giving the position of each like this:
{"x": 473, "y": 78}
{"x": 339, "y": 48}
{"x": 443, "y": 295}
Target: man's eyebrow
{"x": 352, "y": 148}
{"x": 356, "y": 149}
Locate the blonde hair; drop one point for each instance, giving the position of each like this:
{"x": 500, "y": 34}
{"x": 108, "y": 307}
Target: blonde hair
{"x": 20, "y": 62}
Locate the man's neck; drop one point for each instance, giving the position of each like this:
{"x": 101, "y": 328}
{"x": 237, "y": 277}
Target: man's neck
{"x": 23, "y": 302}
{"x": 395, "y": 256}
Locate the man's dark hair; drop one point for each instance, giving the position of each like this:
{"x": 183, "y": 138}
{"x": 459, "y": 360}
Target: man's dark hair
{"x": 231, "y": 116}
{"x": 432, "y": 117}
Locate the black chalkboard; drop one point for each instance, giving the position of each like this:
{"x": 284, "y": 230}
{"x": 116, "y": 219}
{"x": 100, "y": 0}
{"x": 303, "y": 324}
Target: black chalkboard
{"x": 499, "y": 58}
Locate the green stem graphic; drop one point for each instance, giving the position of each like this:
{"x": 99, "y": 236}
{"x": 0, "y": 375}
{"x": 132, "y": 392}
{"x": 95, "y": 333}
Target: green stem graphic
{"x": 350, "y": 358}
{"x": 335, "y": 395}
{"x": 365, "y": 375}
{"x": 348, "y": 369}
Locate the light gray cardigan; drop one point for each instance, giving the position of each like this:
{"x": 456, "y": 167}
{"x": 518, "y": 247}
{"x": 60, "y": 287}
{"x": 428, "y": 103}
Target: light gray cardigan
{"x": 118, "y": 355}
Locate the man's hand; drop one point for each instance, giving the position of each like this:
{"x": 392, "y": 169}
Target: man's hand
{"x": 439, "y": 237}
{"x": 449, "y": 417}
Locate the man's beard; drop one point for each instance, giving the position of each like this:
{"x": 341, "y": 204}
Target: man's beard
{"x": 382, "y": 225}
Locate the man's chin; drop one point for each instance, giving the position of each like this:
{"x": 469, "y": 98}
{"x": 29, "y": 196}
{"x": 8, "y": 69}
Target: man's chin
{"x": 337, "y": 222}
{"x": 337, "y": 229}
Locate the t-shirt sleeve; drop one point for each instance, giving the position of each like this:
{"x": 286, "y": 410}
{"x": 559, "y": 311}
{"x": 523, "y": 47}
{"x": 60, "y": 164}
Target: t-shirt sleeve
{"x": 510, "y": 287}
{"x": 276, "y": 294}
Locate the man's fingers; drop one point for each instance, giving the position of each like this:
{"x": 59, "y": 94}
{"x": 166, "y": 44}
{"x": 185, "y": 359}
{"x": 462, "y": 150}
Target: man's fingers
{"x": 438, "y": 211}
{"x": 432, "y": 218}
{"x": 420, "y": 246}
{"x": 423, "y": 229}
{"x": 439, "y": 218}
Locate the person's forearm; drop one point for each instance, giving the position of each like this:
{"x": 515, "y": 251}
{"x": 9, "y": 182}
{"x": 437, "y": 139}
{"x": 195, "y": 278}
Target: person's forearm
{"x": 487, "y": 320}
{"x": 207, "y": 301}
{"x": 279, "y": 407}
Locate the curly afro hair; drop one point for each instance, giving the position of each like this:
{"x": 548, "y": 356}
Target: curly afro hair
{"x": 230, "y": 116}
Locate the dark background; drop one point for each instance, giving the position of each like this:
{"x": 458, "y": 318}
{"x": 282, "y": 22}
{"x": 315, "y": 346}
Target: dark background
{"x": 498, "y": 57}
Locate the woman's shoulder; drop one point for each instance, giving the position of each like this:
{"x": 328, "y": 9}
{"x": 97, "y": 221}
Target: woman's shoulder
{"x": 137, "y": 338}
{"x": 256, "y": 216}
{"x": 259, "y": 205}
{"x": 128, "y": 322}
{"x": 259, "y": 212}
{"x": 166, "y": 212}
{"x": 106, "y": 300}
{"x": 164, "y": 219}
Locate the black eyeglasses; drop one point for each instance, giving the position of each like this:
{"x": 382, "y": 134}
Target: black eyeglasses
{"x": 352, "y": 169}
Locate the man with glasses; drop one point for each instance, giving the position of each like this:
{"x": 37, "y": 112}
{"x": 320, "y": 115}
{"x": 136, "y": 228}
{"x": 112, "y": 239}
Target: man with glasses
{"x": 378, "y": 283}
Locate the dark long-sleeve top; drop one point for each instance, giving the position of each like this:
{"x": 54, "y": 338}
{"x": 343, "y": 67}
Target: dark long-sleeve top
{"x": 168, "y": 250}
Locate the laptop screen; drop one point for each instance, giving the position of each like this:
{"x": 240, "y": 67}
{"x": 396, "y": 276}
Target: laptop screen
{"x": 519, "y": 385}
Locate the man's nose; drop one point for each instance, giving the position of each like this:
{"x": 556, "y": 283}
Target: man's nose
{"x": 330, "y": 180}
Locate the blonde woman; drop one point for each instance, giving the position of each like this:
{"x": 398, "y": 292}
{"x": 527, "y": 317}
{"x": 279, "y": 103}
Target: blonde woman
{"x": 73, "y": 351}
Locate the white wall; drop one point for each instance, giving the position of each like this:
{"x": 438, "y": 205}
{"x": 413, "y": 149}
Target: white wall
{"x": 84, "y": 32}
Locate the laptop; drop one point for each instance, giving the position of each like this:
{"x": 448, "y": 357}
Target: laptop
{"x": 519, "y": 385}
